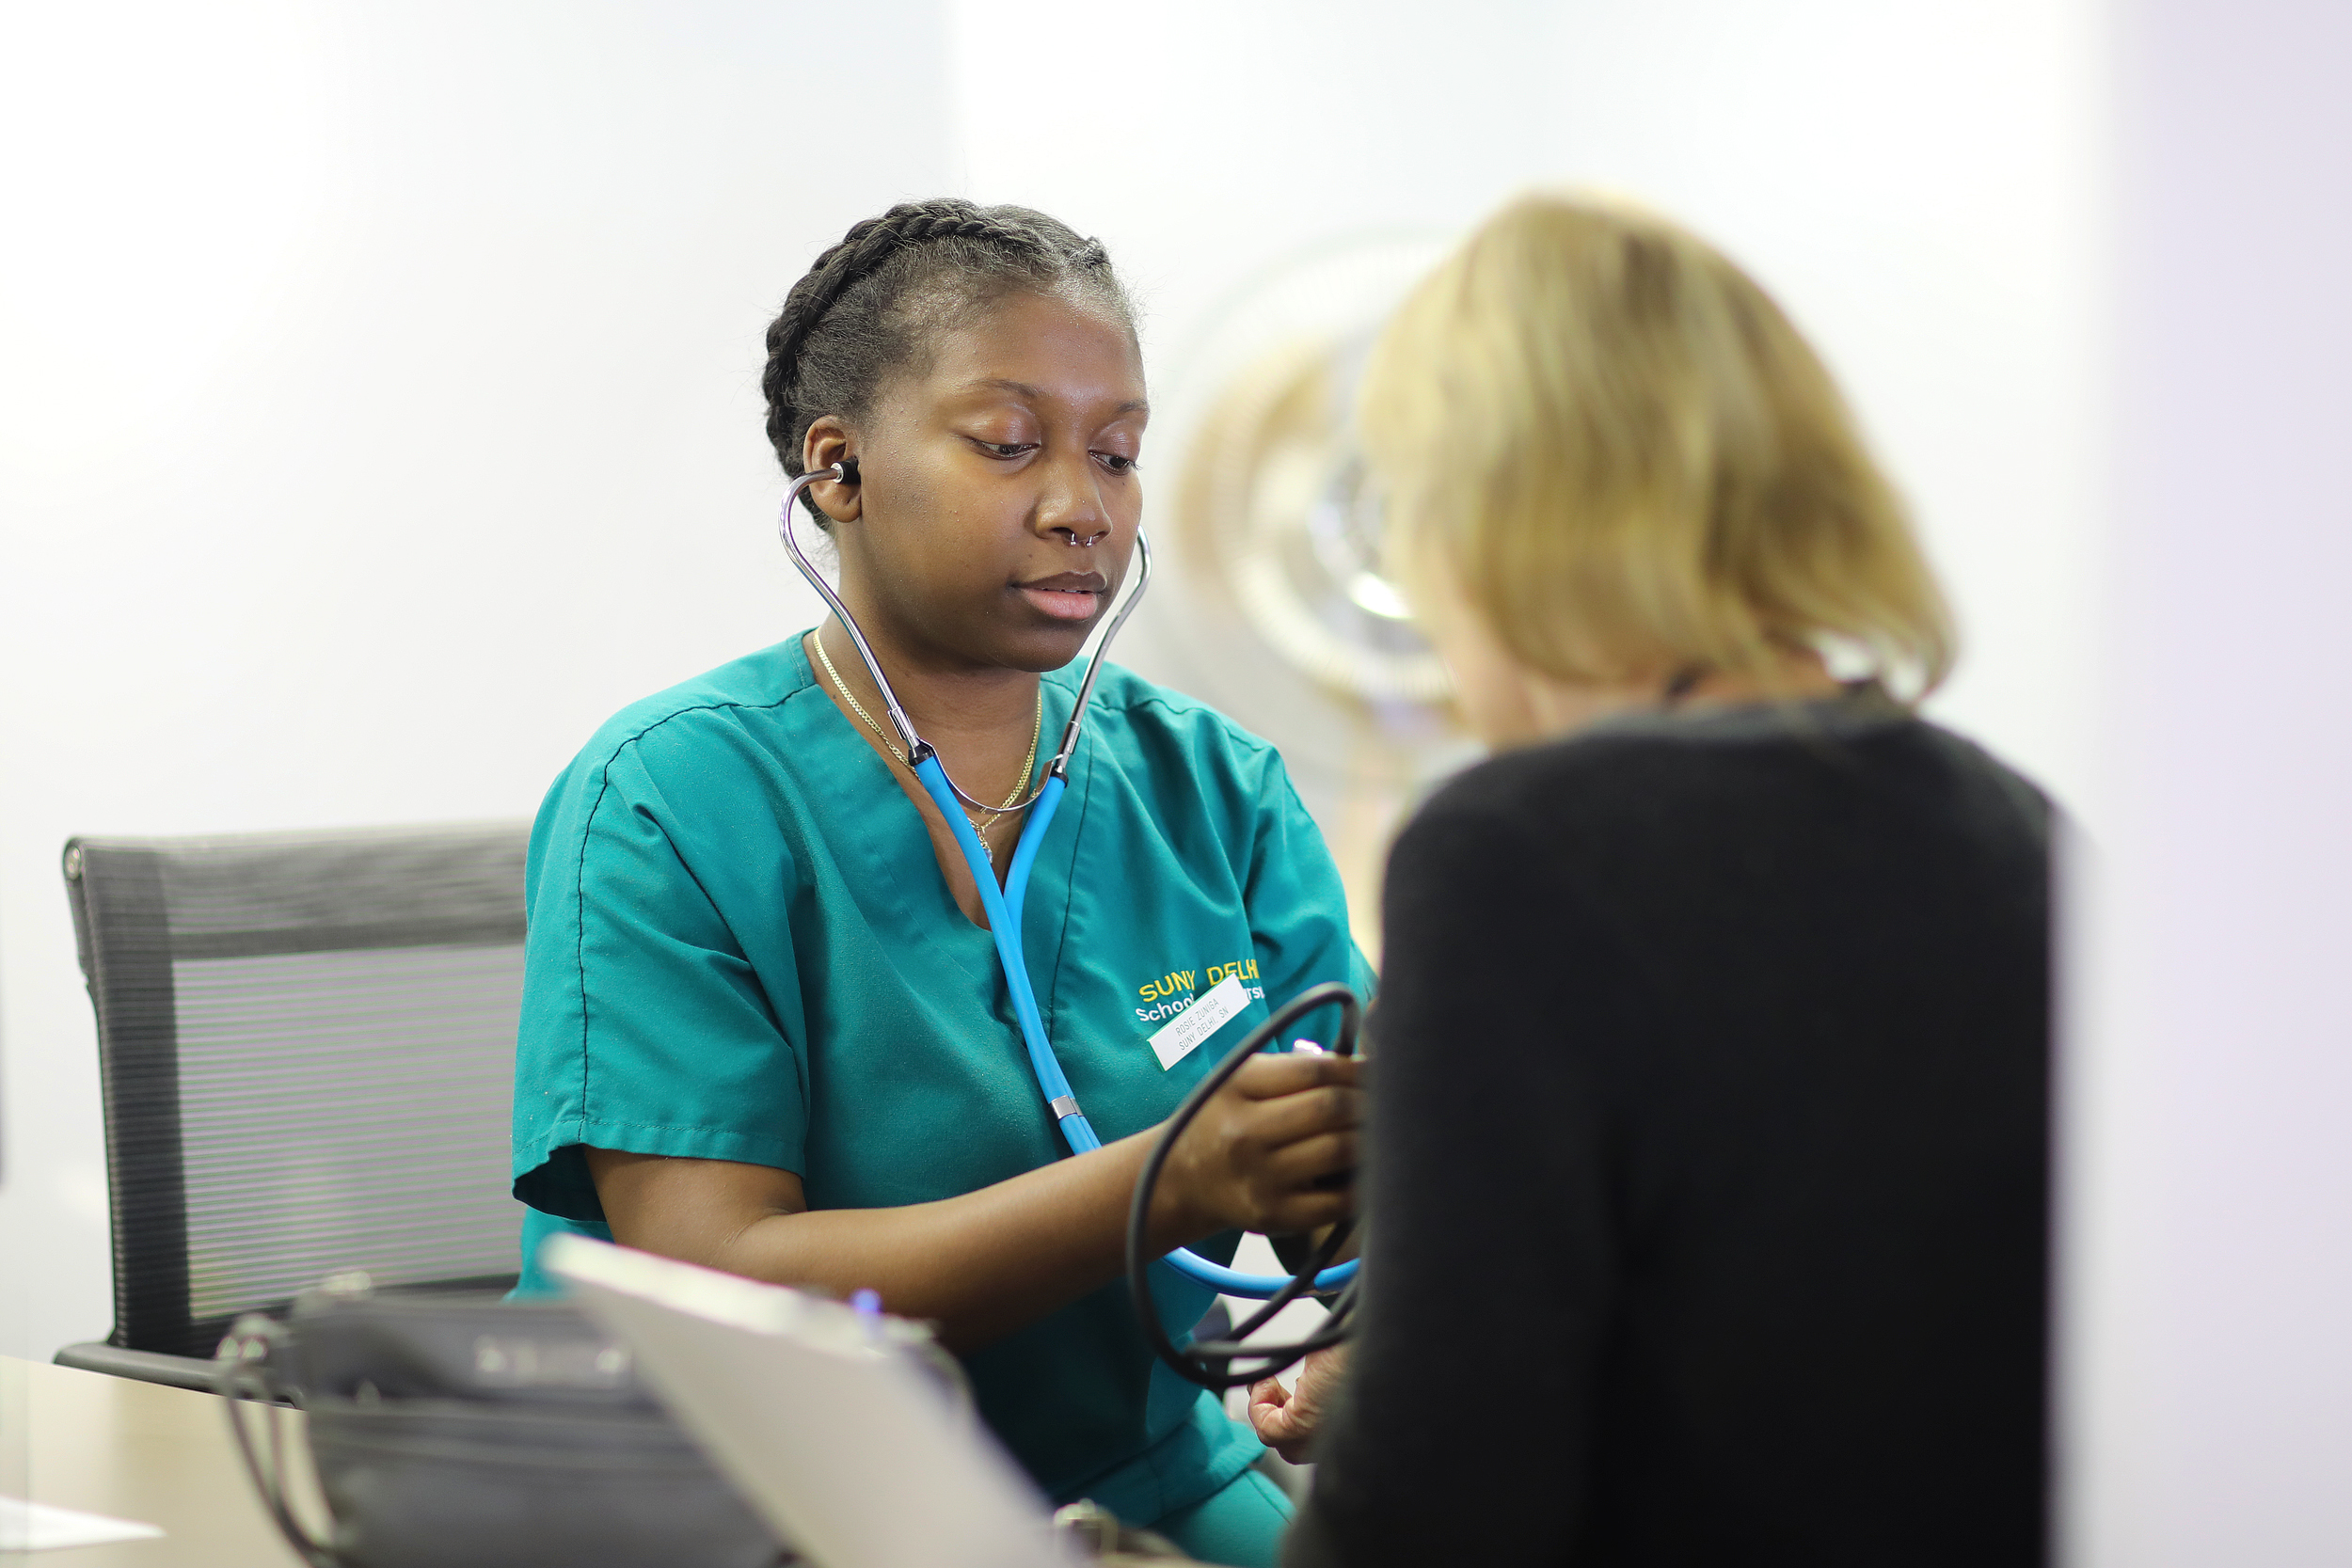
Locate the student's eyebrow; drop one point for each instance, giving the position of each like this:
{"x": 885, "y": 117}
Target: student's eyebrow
{"x": 1004, "y": 383}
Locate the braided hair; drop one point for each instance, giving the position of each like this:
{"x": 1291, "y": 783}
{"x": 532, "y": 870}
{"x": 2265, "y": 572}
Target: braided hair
{"x": 872, "y": 304}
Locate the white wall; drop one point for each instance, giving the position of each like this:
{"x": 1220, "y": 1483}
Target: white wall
{"x": 378, "y": 412}
{"x": 1920, "y": 184}
{"x": 2209, "y": 1269}
{"x": 1917, "y": 181}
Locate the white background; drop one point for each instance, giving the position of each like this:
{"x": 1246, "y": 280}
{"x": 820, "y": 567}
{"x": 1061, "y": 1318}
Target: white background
{"x": 379, "y": 411}
{"x": 380, "y": 385}
{"x": 1918, "y": 183}
{"x": 2208, "y": 1217}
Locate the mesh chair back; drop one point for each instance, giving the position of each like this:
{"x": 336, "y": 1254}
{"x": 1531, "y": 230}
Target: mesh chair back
{"x": 307, "y": 1048}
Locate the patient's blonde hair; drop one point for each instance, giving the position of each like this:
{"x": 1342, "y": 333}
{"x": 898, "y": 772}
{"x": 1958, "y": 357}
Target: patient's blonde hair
{"x": 1632, "y": 465}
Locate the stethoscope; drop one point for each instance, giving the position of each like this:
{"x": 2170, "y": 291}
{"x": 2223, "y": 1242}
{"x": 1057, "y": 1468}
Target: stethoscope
{"x": 1206, "y": 1362}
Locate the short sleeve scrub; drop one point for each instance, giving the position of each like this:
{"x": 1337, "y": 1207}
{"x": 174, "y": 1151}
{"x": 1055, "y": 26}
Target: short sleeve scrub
{"x": 741, "y": 948}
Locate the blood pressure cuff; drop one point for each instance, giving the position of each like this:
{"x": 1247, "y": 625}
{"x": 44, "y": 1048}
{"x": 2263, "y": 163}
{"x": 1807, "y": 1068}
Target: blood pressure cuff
{"x": 463, "y": 1431}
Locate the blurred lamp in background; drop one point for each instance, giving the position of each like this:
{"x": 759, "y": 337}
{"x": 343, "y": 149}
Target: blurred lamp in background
{"x": 1275, "y": 535}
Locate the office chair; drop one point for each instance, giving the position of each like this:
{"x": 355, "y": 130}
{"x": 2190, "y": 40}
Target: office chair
{"x": 307, "y": 1048}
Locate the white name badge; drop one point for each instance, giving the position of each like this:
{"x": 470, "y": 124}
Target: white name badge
{"x": 1215, "y": 1008}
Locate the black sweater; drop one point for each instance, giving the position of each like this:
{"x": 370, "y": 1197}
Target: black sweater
{"x": 1708, "y": 1159}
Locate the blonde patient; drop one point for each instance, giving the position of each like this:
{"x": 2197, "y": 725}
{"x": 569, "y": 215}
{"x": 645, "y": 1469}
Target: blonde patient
{"x": 1712, "y": 1043}
{"x": 1615, "y": 465}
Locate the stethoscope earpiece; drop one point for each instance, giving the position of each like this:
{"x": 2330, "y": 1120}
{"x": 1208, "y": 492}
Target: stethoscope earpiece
{"x": 846, "y": 470}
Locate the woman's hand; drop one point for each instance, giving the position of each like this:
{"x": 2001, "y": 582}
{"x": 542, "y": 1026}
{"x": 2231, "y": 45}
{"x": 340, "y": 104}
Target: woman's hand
{"x": 1269, "y": 1152}
{"x": 1286, "y": 1418}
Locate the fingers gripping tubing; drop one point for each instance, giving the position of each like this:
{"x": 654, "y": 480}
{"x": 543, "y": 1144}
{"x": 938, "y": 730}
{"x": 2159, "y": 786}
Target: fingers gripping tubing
{"x": 1224, "y": 1280}
{"x": 1212, "y": 1363}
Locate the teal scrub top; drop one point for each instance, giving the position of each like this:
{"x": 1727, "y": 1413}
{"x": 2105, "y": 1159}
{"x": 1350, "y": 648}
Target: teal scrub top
{"x": 741, "y": 948}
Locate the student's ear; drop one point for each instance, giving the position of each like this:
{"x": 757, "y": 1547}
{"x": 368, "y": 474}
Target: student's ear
{"x": 829, "y": 442}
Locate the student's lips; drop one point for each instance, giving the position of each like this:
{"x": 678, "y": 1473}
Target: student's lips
{"x": 1068, "y": 597}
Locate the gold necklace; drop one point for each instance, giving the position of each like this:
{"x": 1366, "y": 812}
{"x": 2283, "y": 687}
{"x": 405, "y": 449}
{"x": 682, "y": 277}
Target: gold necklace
{"x": 993, "y": 814}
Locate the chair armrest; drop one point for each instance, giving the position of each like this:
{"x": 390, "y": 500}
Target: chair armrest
{"x": 146, "y": 1366}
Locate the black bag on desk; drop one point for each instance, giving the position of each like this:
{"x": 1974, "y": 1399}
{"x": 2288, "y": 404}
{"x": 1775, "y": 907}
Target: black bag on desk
{"x": 451, "y": 1432}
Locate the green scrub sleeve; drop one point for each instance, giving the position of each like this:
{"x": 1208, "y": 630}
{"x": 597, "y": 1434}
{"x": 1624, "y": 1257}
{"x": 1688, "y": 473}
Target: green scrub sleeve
{"x": 645, "y": 1027}
{"x": 1297, "y": 907}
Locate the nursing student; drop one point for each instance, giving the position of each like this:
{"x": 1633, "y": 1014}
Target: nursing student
{"x": 763, "y": 1029}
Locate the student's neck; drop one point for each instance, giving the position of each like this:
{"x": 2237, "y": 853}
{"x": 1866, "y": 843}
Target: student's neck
{"x": 951, "y": 703}
{"x": 982, "y": 724}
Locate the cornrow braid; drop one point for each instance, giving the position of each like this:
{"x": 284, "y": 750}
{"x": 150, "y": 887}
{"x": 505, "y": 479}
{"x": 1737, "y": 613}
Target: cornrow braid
{"x": 872, "y": 305}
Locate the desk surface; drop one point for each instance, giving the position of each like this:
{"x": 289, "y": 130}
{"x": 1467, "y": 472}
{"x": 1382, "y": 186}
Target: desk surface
{"x": 136, "y": 1450}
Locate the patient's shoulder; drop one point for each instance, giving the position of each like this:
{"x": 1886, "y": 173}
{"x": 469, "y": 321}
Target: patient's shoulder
{"x": 1838, "y": 766}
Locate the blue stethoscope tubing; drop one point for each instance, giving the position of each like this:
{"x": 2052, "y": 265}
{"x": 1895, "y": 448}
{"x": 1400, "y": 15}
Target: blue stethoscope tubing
{"x": 1005, "y": 906}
